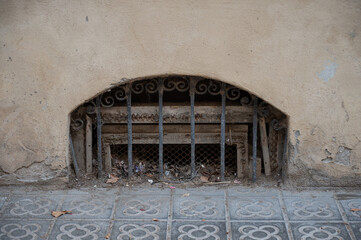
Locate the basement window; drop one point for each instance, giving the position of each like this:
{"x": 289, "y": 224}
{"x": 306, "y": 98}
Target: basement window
{"x": 177, "y": 128}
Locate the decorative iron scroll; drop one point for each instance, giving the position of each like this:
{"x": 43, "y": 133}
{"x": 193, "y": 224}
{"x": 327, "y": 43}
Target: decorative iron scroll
{"x": 181, "y": 85}
{"x": 202, "y": 87}
{"x": 76, "y": 124}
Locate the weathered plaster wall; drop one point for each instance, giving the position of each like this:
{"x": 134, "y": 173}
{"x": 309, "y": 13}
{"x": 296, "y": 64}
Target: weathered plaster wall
{"x": 302, "y": 56}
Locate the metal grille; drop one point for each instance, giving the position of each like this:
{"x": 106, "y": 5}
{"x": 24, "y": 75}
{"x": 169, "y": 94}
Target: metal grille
{"x": 177, "y": 160}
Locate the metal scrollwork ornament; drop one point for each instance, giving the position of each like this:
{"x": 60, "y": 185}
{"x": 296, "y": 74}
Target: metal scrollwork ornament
{"x": 120, "y": 93}
{"x": 77, "y": 124}
{"x": 233, "y": 93}
{"x": 181, "y": 85}
{"x": 214, "y": 88}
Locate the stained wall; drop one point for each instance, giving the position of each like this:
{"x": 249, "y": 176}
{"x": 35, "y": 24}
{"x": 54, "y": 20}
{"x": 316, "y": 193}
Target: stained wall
{"x": 303, "y": 57}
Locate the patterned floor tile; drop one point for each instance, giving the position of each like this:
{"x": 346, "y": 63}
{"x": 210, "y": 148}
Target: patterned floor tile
{"x": 319, "y": 231}
{"x": 35, "y": 229}
{"x": 259, "y": 230}
{"x": 209, "y": 191}
{"x": 351, "y": 206}
{"x": 307, "y": 194}
{"x": 255, "y": 208}
{"x": 143, "y": 207}
{"x": 30, "y": 207}
{"x": 144, "y": 190}
{"x": 241, "y": 191}
{"x": 88, "y": 207}
{"x": 139, "y": 230}
{"x": 199, "y": 230}
{"x": 356, "y": 228}
{"x": 199, "y": 207}
{"x": 91, "y": 230}
{"x": 304, "y": 209}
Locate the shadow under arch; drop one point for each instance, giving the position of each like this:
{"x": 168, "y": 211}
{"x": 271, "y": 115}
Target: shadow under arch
{"x": 171, "y": 112}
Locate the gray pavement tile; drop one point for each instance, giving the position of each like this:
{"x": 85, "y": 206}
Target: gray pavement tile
{"x": 82, "y": 206}
{"x": 206, "y": 191}
{"x": 318, "y": 231}
{"x": 198, "y": 230}
{"x": 30, "y": 207}
{"x": 307, "y": 194}
{"x": 79, "y": 229}
{"x": 255, "y": 208}
{"x": 354, "y": 204}
{"x": 242, "y": 191}
{"x": 144, "y": 191}
{"x": 143, "y": 207}
{"x": 356, "y": 228}
{"x": 199, "y": 207}
{"x": 35, "y": 229}
{"x": 125, "y": 230}
{"x": 259, "y": 230}
{"x": 304, "y": 209}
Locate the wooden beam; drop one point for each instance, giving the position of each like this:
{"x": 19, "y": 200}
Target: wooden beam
{"x": 107, "y": 158}
{"x": 239, "y": 161}
{"x": 177, "y": 114}
{"x": 88, "y": 145}
{"x": 179, "y": 128}
{"x": 79, "y": 148}
{"x": 264, "y": 143}
{"x": 173, "y": 134}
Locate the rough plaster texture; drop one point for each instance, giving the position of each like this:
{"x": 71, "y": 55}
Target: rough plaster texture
{"x": 304, "y": 57}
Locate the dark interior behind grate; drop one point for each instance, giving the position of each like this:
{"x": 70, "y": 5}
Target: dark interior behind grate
{"x": 177, "y": 159}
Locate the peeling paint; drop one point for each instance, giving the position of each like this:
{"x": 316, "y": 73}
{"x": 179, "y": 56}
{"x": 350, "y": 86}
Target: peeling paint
{"x": 343, "y": 156}
{"x": 329, "y": 71}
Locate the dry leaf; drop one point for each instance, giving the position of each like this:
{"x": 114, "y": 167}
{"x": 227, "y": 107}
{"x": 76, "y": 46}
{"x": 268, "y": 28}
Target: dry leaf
{"x": 204, "y": 179}
{"x": 186, "y": 195}
{"x": 112, "y": 179}
{"x": 355, "y": 209}
{"x": 107, "y": 236}
{"x": 59, "y": 213}
{"x": 149, "y": 175}
{"x": 155, "y": 220}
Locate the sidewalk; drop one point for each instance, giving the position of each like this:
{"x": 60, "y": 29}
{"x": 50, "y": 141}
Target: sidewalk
{"x": 196, "y": 213}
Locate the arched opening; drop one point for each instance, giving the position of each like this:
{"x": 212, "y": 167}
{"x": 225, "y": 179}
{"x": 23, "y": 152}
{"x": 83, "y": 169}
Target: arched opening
{"x": 178, "y": 128}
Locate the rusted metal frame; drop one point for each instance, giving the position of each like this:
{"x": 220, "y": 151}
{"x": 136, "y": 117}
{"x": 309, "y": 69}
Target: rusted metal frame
{"x": 130, "y": 143}
{"x": 223, "y": 130}
{"x": 254, "y": 131}
{"x": 99, "y": 138}
{"x": 75, "y": 162}
{"x": 160, "y": 95}
{"x": 193, "y": 143}
{"x": 88, "y": 145}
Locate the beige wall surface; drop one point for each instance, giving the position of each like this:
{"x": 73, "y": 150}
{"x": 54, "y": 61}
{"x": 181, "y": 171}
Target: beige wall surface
{"x": 303, "y": 57}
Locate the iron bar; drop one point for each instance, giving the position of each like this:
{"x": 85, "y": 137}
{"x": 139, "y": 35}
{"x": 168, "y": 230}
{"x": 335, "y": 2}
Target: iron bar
{"x": 99, "y": 137}
{"x": 254, "y": 154}
{"x": 130, "y": 142}
{"x": 160, "y": 95}
{"x": 193, "y": 143}
{"x": 75, "y": 162}
{"x": 223, "y": 130}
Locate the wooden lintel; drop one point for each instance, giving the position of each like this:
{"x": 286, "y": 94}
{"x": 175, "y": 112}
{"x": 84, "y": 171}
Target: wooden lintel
{"x": 264, "y": 144}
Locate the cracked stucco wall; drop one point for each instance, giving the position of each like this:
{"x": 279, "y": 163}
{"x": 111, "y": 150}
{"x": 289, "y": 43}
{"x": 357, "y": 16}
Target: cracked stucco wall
{"x": 304, "y": 57}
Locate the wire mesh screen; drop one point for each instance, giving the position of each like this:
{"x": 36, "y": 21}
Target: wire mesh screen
{"x": 176, "y": 159}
